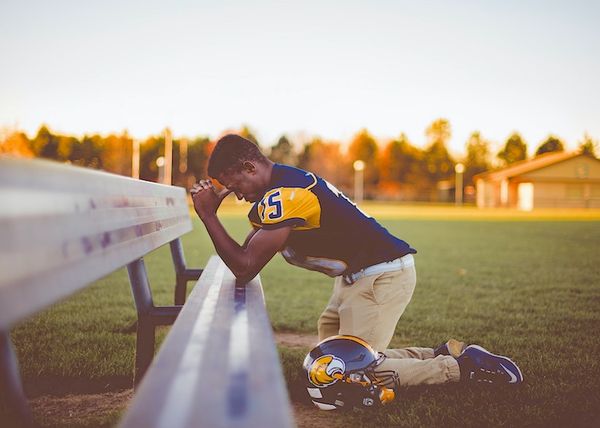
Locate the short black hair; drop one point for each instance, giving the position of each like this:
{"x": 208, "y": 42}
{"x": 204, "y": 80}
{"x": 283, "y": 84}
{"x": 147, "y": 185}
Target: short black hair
{"x": 230, "y": 153}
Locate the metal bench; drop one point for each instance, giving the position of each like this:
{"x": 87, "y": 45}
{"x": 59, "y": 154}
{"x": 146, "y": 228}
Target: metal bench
{"x": 63, "y": 227}
{"x": 226, "y": 372}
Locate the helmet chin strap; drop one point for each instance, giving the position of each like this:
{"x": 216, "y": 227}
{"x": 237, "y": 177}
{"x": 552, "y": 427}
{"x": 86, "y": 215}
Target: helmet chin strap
{"x": 386, "y": 395}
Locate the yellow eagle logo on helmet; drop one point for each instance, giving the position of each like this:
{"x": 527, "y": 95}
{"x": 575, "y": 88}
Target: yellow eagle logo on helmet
{"x": 326, "y": 370}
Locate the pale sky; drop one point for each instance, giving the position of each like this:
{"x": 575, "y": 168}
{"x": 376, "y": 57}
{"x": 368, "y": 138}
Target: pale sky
{"x": 326, "y": 68}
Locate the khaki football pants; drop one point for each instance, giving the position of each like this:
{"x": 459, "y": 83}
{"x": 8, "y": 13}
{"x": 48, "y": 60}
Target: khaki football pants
{"x": 370, "y": 309}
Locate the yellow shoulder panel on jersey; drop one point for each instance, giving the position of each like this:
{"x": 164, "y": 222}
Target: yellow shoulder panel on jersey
{"x": 289, "y": 203}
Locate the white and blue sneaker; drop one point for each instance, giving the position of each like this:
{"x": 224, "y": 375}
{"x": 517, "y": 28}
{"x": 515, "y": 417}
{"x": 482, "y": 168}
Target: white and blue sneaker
{"x": 479, "y": 365}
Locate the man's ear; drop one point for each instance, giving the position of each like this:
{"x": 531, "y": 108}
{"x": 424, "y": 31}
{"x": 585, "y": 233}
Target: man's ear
{"x": 249, "y": 167}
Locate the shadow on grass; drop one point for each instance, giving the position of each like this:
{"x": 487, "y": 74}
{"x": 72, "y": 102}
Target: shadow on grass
{"x": 59, "y": 386}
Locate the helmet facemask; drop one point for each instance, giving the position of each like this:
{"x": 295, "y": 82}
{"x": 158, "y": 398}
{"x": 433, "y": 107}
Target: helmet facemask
{"x": 370, "y": 376}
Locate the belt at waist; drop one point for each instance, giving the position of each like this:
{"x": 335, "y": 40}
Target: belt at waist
{"x": 397, "y": 264}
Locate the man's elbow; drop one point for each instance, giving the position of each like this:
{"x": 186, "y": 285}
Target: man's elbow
{"x": 244, "y": 277}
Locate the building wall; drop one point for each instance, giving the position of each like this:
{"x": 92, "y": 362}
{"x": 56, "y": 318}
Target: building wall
{"x": 568, "y": 195}
{"x": 579, "y": 168}
{"x": 560, "y": 194}
{"x": 488, "y": 193}
{"x": 513, "y": 193}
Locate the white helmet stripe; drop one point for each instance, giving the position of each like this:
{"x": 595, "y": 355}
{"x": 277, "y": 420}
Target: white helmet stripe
{"x": 315, "y": 392}
{"x": 324, "y": 406}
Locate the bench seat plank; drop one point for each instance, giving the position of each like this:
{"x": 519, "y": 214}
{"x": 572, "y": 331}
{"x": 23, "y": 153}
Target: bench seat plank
{"x": 63, "y": 227}
{"x": 218, "y": 367}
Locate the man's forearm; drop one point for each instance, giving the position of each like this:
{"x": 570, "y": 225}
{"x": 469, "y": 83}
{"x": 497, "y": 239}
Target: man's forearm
{"x": 234, "y": 255}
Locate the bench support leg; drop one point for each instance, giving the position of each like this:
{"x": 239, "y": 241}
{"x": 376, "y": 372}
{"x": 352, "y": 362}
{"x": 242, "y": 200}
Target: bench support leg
{"x": 144, "y": 347}
{"x": 142, "y": 295}
{"x": 149, "y": 316}
{"x": 182, "y": 273}
{"x": 11, "y": 388}
{"x": 180, "y": 290}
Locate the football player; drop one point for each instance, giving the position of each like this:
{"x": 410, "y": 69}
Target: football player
{"x": 315, "y": 226}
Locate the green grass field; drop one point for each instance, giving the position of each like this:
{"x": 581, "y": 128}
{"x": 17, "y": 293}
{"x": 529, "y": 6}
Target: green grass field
{"x": 522, "y": 284}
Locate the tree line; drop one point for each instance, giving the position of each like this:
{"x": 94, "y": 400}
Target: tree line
{"x": 396, "y": 169}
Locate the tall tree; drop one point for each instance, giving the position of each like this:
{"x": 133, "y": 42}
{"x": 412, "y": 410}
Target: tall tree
{"x": 437, "y": 158}
{"x": 283, "y": 152}
{"x": 16, "y": 144}
{"x": 45, "y": 144}
{"x": 399, "y": 161}
{"x": 514, "y": 150}
{"x": 116, "y": 153}
{"x": 66, "y": 145}
{"x": 199, "y": 151}
{"x": 477, "y": 159}
{"x": 150, "y": 150}
{"x": 91, "y": 149}
{"x": 364, "y": 147}
{"x": 551, "y": 144}
{"x": 324, "y": 159}
{"x": 402, "y": 173}
{"x": 588, "y": 145}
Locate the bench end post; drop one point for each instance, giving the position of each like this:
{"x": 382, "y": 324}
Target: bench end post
{"x": 10, "y": 384}
{"x": 144, "y": 347}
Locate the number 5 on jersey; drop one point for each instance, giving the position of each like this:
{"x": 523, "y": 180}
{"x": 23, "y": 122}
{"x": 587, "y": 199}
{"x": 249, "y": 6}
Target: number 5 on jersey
{"x": 271, "y": 206}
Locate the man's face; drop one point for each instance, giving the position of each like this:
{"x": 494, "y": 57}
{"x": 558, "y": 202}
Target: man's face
{"x": 245, "y": 184}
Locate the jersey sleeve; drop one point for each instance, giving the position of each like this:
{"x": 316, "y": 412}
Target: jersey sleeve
{"x": 286, "y": 206}
{"x": 253, "y": 217}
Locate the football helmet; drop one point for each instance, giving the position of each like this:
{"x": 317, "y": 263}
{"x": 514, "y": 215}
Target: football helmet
{"x": 341, "y": 373}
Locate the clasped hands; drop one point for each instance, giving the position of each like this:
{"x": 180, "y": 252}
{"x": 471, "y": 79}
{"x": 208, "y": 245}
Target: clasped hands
{"x": 206, "y": 198}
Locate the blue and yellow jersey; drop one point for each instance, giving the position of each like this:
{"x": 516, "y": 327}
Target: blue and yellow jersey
{"x": 329, "y": 233}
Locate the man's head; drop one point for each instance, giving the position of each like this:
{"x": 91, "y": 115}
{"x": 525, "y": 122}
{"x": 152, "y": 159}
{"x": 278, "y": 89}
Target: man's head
{"x": 238, "y": 164}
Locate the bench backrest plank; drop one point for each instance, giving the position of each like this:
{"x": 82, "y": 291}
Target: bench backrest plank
{"x": 219, "y": 365}
{"x": 63, "y": 227}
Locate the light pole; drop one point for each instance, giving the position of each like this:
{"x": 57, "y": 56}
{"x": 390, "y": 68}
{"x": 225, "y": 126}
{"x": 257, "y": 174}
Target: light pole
{"x": 359, "y": 167}
{"x": 168, "y": 173}
{"x": 135, "y": 159}
{"x": 160, "y": 163}
{"x": 183, "y": 154}
{"x": 459, "y": 168}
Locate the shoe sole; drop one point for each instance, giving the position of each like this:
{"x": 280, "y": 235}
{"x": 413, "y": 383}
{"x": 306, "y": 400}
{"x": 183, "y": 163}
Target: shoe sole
{"x": 502, "y": 357}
